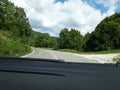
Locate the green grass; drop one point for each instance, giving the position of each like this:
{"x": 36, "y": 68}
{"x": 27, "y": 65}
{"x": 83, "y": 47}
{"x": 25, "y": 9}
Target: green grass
{"x": 48, "y": 48}
{"x": 11, "y": 46}
{"x": 13, "y": 49}
{"x": 68, "y": 50}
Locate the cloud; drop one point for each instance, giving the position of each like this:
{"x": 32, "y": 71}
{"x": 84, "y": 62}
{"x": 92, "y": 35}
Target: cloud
{"x": 107, "y": 3}
{"x": 20, "y": 3}
{"x": 110, "y": 4}
{"x": 50, "y": 16}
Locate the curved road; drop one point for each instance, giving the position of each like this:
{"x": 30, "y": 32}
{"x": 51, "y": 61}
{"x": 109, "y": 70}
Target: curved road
{"x": 57, "y": 55}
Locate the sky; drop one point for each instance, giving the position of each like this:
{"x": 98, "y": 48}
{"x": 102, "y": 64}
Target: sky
{"x": 50, "y": 16}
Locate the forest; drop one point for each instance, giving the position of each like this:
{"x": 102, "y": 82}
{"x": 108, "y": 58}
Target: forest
{"x": 17, "y": 36}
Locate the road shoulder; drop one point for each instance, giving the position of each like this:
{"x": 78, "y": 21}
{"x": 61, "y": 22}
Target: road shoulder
{"x": 29, "y": 53}
{"x": 102, "y": 58}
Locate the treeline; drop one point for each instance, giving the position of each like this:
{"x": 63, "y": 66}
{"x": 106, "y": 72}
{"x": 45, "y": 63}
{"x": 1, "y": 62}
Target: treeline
{"x": 68, "y": 39}
{"x": 43, "y": 40}
{"x": 106, "y": 36}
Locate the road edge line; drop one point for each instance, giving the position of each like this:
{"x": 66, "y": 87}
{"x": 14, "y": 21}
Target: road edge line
{"x": 29, "y": 53}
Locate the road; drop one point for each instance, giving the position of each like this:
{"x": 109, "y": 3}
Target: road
{"x": 57, "y": 55}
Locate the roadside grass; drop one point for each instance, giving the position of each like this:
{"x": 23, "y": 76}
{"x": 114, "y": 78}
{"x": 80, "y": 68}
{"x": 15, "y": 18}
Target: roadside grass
{"x": 117, "y": 51}
{"x": 13, "y": 49}
{"x": 10, "y": 46}
{"x": 47, "y": 48}
{"x": 28, "y": 51}
{"x": 117, "y": 58}
{"x": 97, "y": 52}
{"x": 102, "y": 52}
{"x": 68, "y": 50}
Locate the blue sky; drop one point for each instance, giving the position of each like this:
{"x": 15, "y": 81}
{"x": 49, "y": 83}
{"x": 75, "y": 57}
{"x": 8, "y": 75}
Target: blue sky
{"x": 101, "y": 5}
{"x": 96, "y": 5}
{"x": 50, "y": 16}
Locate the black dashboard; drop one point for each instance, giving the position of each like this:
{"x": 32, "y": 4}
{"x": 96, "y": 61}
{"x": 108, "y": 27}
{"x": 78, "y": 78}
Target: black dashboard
{"x": 43, "y": 74}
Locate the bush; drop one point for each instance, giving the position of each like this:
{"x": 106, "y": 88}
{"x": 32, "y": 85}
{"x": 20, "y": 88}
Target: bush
{"x": 10, "y": 48}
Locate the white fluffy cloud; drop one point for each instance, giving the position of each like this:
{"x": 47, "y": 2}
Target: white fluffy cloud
{"x": 50, "y": 17}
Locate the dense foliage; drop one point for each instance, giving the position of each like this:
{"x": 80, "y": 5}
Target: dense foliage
{"x": 14, "y": 30}
{"x": 106, "y": 35}
{"x": 43, "y": 40}
{"x": 14, "y": 19}
{"x": 70, "y": 39}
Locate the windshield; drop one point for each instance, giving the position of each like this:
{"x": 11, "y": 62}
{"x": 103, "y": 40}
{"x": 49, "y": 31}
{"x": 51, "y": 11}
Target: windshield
{"x": 81, "y": 31}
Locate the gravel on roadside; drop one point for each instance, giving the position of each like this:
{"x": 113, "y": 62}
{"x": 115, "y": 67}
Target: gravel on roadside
{"x": 102, "y": 58}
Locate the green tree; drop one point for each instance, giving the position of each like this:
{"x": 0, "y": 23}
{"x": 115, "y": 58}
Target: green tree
{"x": 76, "y": 39}
{"x": 14, "y": 19}
{"x": 106, "y": 35}
{"x": 70, "y": 39}
{"x": 64, "y": 39}
{"x": 45, "y": 40}
{"x": 14, "y": 30}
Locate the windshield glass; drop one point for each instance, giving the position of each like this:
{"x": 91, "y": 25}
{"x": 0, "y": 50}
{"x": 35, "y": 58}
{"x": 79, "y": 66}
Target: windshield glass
{"x": 82, "y": 31}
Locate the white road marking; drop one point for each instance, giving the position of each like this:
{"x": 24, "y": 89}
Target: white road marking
{"x": 52, "y": 54}
{"x": 55, "y": 56}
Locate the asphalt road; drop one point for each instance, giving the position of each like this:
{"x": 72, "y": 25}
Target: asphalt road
{"x": 57, "y": 55}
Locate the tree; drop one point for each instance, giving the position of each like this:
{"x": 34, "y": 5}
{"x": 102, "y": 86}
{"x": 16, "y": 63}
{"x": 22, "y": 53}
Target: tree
{"x": 64, "y": 39}
{"x": 106, "y": 35}
{"x": 45, "y": 40}
{"x": 76, "y": 39}
{"x": 70, "y": 39}
{"x": 86, "y": 38}
{"x": 13, "y": 19}
{"x": 14, "y": 30}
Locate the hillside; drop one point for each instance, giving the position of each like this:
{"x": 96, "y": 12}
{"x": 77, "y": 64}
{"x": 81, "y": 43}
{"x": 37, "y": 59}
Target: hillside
{"x": 16, "y": 34}
{"x": 14, "y": 30}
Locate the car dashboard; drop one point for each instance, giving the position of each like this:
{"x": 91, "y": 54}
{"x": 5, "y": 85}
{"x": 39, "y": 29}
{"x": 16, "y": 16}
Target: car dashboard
{"x": 44, "y": 74}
